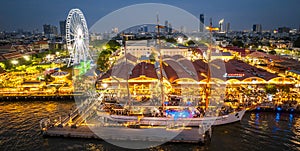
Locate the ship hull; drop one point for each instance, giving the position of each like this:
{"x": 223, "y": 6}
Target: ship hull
{"x": 192, "y": 122}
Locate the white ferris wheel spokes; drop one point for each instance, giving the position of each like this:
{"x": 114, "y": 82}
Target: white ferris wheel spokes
{"x": 77, "y": 37}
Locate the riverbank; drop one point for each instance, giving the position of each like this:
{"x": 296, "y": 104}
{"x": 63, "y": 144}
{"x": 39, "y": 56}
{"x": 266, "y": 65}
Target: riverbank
{"x": 39, "y": 97}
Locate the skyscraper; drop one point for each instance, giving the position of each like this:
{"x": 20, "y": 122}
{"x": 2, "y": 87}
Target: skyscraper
{"x": 62, "y": 26}
{"x": 257, "y": 28}
{"x": 47, "y": 29}
{"x": 50, "y": 29}
{"x": 284, "y": 30}
{"x": 201, "y": 26}
{"x": 227, "y": 28}
{"x": 166, "y": 26}
{"x": 145, "y": 28}
{"x": 170, "y": 28}
{"x": 221, "y": 25}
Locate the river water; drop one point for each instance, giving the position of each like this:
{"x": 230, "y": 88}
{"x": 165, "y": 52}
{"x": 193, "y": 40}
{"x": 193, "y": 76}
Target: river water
{"x": 19, "y": 130}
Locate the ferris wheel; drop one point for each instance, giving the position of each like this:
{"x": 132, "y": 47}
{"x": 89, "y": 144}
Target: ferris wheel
{"x": 77, "y": 37}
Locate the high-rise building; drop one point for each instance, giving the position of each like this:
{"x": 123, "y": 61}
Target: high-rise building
{"x": 145, "y": 28}
{"x": 284, "y": 30}
{"x": 47, "y": 29}
{"x": 201, "y": 26}
{"x": 221, "y": 25}
{"x": 257, "y": 28}
{"x": 50, "y": 29}
{"x": 227, "y": 28}
{"x": 62, "y": 26}
{"x": 166, "y": 26}
{"x": 170, "y": 28}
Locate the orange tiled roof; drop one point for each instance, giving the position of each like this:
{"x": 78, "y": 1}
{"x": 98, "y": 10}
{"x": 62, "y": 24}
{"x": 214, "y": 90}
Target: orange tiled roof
{"x": 12, "y": 55}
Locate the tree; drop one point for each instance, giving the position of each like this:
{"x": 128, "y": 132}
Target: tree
{"x": 2, "y": 65}
{"x": 103, "y": 60}
{"x": 297, "y": 43}
{"x": 8, "y": 65}
{"x": 237, "y": 43}
{"x": 152, "y": 57}
{"x": 171, "y": 40}
{"x": 98, "y": 43}
{"x": 113, "y": 45}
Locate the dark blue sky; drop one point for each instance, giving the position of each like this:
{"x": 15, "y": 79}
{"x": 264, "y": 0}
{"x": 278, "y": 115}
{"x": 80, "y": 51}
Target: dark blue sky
{"x": 30, "y": 14}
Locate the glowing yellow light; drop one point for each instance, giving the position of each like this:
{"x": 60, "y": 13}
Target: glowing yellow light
{"x": 105, "y": 85}
{"x": 14, "y": 62}
{"x": 212, "y": 28}
{"x": 26, "y": 58}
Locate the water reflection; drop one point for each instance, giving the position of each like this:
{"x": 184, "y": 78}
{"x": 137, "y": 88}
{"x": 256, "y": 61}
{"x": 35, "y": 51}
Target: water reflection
{"x": 19, "y": 130}
{"x": 277, "y": 118}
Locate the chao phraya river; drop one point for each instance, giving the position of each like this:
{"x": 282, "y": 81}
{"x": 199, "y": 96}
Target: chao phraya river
{"x": 19, "y": 130}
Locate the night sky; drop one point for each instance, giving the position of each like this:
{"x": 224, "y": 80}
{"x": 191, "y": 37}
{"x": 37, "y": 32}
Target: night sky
{"x": 242, "y": 14}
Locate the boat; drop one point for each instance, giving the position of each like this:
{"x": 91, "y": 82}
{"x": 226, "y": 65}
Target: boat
{"x": 193, "y": 122}
{"x": 164, "y": 113}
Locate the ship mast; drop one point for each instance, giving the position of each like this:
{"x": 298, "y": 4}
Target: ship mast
{"x": 160, "y": 65}
{"x": 125, "y": 37}
{"x": 207, "y": 90}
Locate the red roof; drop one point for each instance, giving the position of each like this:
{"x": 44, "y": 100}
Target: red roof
{"x": 170, "y": 73}
{"x": 183, "y": 68}
{"x": 240, "y": 67}
{"x": 143, "y": 68}
{"x": 12, "y": 55}
{"x": 257, "y": 54}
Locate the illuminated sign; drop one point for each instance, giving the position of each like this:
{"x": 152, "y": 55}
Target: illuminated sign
{"x": 233, "y": 75}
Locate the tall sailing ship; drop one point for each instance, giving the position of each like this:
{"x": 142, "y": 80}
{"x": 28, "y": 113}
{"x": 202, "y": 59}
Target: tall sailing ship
{"x": 156, "y": 85}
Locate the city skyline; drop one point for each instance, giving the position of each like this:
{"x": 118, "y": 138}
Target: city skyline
{"x": 241, "y": 15}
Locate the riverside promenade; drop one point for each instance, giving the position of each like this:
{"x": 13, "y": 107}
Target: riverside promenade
{"x": 38, "y": 96}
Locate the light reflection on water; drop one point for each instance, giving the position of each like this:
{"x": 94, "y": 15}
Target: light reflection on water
{"x": 19, "y": 130}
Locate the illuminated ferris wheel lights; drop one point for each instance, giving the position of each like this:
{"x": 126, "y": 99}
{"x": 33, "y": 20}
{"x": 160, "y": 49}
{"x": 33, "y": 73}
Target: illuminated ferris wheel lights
{"x": 77, "y": 37}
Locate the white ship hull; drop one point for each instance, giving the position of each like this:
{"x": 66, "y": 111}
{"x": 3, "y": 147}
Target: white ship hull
{"x": 192, "y": 122}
